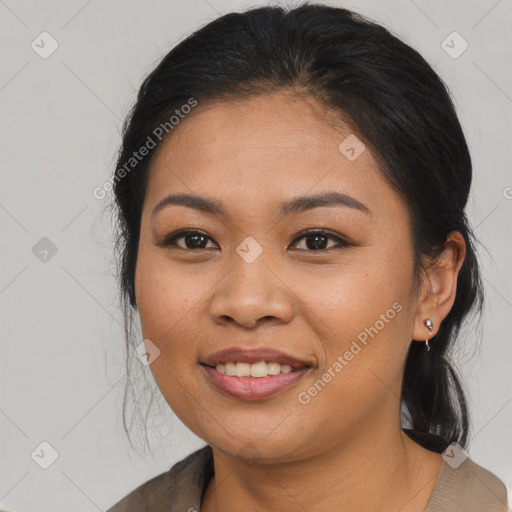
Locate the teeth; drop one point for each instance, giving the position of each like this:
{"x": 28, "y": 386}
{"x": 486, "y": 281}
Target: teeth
{"x": 242, "y": 369}
{"x": 274, "y": 368}
{"x": 260, "y": 369}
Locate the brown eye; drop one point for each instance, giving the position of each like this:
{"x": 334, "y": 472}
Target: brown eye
{"x": 317, "y": 240}
{"x": 193, "y": 240}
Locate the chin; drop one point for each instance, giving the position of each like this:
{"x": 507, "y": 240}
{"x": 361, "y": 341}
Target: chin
{"x": 254, "y": 449}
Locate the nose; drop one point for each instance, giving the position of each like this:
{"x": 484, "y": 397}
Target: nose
{"x": 251, "y": 293}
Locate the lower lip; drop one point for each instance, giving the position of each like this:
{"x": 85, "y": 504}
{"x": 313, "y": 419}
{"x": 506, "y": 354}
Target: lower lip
{"x": 253, "y": 388}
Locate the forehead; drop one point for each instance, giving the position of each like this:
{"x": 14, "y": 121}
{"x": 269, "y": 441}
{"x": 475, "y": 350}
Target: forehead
{"x": 275, "y": 127}
{"x": 263, "y": 149}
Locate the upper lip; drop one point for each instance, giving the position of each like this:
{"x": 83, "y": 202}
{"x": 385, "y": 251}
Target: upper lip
{"x": 253, "y": 355}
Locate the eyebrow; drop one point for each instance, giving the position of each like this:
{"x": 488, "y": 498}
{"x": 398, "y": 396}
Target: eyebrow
{"x": 295, "y": 205}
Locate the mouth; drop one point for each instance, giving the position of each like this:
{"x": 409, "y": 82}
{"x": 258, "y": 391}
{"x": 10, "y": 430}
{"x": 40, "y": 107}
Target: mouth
{"x": 253, "y": 374}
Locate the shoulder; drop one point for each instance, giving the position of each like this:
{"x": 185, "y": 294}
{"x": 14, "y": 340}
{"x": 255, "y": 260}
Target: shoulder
{"x": 462, "y": 484}
{"x": 468, "y": 487}
{"x": 182, "y": 483}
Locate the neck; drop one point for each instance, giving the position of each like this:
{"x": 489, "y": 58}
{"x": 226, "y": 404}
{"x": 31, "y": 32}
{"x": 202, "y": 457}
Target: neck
{"x": 381, "y": 470}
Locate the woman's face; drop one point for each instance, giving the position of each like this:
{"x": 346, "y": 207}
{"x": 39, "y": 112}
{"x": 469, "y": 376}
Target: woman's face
{"x": 343, "y": 307}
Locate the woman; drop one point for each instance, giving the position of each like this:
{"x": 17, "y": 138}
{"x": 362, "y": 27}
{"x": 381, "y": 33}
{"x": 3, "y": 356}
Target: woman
{"x": 291, "y": 191}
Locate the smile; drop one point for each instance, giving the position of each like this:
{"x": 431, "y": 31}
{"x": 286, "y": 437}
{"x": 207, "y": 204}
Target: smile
{"x": 236, "y": 379}
{"x": 259, "y": 369}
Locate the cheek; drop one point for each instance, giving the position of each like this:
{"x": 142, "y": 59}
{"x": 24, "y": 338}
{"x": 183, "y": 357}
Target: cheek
{"x": 363, "y": 318}
{"x": 348, "y": 299}
{"x": 165, "y": 295}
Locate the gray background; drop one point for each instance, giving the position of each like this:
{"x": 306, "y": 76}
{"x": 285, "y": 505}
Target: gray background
{"x": 61, "y": 370}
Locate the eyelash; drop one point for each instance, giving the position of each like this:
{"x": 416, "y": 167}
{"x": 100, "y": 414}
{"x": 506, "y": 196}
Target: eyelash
{"x": 170, "y": 240}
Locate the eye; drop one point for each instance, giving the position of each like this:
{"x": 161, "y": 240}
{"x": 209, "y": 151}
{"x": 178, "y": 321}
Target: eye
{"x": 194, "y": 239}
{"x": 318, "y": 238}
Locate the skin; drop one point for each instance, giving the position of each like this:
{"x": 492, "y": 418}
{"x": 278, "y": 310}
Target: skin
{"x": 344, "y": 450}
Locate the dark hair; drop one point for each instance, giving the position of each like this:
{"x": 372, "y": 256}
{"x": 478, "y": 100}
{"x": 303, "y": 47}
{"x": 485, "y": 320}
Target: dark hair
{"x": 392, "y": 99}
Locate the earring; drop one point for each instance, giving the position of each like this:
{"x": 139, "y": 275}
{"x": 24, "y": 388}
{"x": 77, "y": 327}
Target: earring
{"x": 429, "y": 325}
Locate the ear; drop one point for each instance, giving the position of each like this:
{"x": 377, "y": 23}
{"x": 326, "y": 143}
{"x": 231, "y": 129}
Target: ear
{"x": 439, "y": 286}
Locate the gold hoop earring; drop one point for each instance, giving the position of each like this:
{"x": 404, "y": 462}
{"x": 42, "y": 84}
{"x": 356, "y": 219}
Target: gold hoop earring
{"x": 429, "y": 325}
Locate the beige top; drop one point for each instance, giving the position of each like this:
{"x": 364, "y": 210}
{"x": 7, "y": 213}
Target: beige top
{"x": 467, "y": 488}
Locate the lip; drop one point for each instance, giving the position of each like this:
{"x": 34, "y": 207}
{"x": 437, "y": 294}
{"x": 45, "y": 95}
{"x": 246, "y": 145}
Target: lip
{"x": 254, "y": 355}
{"x": 254, "y": 388}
